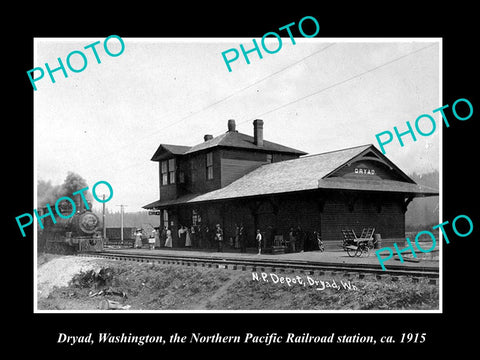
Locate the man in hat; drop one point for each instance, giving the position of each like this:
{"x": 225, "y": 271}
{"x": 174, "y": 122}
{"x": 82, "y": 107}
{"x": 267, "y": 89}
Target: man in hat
{"x": 259, "y": 241}
{"x": 219, "y": 237}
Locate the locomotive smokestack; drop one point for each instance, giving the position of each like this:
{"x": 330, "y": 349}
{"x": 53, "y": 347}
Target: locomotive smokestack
{"x": 78, "y": 203}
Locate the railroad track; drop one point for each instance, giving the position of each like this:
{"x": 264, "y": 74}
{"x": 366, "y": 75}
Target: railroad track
{"x": 359, "y": 271}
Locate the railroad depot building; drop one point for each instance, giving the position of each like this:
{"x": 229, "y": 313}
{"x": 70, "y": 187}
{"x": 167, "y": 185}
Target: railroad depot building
{"x": 235, "y": 179}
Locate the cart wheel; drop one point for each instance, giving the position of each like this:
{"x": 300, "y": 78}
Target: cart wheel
{"x": 359, "y": 251}
{"x": 352, "y": 252}
{"x": 366, "y": 251}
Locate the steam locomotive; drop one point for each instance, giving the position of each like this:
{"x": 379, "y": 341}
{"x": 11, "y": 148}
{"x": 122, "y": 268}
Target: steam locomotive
{"x": 79, "y": 233}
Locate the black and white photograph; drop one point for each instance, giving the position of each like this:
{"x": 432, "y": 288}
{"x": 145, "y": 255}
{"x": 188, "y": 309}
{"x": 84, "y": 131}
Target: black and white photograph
{"x": 240, "y": 179}
{"x": 263, "y": 188}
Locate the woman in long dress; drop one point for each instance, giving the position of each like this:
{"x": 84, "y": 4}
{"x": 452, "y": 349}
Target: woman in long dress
{"x": 138, "y": 239}
{"x": 182, "y": 234}
{"x": 156, "y": 235}
{"x": 188, "y": 239}
{"x": 168, "y": 242}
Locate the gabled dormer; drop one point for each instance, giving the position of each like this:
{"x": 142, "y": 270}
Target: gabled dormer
{"x": 169, "y": 157}
{"x": 369, "y": 164}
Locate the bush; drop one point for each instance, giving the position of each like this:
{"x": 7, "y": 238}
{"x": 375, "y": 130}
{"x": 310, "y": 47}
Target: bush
{"x": 93, "y": 278}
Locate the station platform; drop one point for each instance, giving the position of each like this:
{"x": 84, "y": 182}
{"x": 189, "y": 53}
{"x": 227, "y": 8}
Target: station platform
{"x": 424, "y": 260}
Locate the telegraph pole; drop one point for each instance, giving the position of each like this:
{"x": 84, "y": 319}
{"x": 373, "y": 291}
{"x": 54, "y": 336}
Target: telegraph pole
{"x": 121, "y": 222}
{"x": 104, "y": 225}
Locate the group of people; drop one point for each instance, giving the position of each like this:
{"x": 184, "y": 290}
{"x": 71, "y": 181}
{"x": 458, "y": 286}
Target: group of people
{"x": 194, "y": 236}
{"x": 202, "y": 237}
{"x": 299, "y": 240}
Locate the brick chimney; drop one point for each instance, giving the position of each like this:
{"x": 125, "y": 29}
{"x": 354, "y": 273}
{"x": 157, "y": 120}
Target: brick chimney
{"x": 258, "y": 132}
{"x": 208, "y": 137}
{"x": 231, "y": 125}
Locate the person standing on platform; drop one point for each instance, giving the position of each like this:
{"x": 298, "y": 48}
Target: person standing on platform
{"x": 241, "y": 239}
{"x": 258, "y": 238}
{"x": 219, "y": 237}
{"x": 200, "y": 235}
{"x": 206, "y": 236}
{"x": 317, "y": 237}
{"x": 168, "y": 241}
{"x": 138, "y": 239}
{"x": 300, "y": 239}
{"x": 182, "y": 234}
{"x": 236, "y": 243}
{"x": 193, "y": 236}
{"x": 156, "y": 236}
{"x": 163, "y": 237}
{"x": 188, "y": 239}
{"x": 292, "y": 239}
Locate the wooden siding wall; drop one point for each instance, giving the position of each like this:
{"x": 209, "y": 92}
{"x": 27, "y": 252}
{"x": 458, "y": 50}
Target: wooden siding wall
{"x": 275, "y": 216}
{"x": 236, "y": 163}
{"x": 337, "y": 215}
{"x": 194, "y": 168}
{"x": 233, "y": 169}
{"x": 228, "y": 166}
{"x": 197, "y": 164}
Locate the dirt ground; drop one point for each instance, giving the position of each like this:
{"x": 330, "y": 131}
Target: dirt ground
{"x": 77, "y": 283}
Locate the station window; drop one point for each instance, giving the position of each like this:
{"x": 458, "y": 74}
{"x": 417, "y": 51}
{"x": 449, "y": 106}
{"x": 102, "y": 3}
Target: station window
{"x": 209, "y": 166}
{"x": 165, "y": 218}
{"x": 196, "y": 219}
{"x": 269, "y": 158}
{"x": 164, "y": 171}
{"x": 171, "y": 171}
{"x": 168, "y": 172}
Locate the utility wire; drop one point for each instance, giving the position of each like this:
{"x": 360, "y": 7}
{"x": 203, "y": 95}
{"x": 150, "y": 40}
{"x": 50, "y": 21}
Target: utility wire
{"x": 255, "y": 83}
{"x": 339, "y": 83}
{"x": 233, "y": 94}
{"x": 314, "y": 93}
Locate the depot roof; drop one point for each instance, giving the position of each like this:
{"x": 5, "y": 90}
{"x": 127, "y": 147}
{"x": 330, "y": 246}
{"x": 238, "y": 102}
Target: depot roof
{"x": 230, "y": 139}
{"x": 303, "y": 174}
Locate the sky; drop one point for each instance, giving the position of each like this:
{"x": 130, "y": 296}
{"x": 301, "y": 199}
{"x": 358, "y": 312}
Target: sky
{"x": 321, "y": 94}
